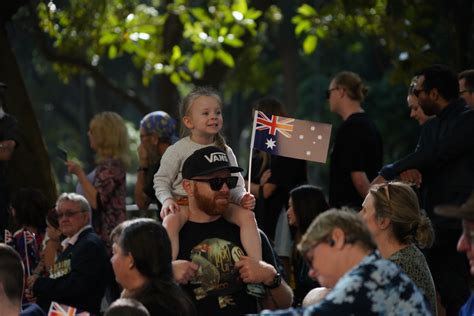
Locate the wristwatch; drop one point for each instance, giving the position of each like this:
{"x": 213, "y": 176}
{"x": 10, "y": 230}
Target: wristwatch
{"x": 144, "y": 169}
{"x": 275, "y": 282}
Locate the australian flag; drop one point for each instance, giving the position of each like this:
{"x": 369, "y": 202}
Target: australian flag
{"x": 283, "y": 136}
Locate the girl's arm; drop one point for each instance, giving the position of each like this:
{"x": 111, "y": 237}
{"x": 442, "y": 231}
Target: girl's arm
{"x": 166, "y": 174}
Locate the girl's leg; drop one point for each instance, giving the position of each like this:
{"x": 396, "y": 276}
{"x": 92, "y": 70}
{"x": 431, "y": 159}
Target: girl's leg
{"x": 249, "y": 234}
{"x": 173, "y": 224}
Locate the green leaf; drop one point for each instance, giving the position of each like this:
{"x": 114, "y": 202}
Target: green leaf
{"x": 175, "y": 78}
{"x": 176, "y": 54}
{"x": 196, "y": 63}
{"x": 309, "y": 44}
{"x": 232, "y": 41}
{"x": 226, "y": 58}
{"x": 209, "y": 55}
{"x": 108, "y": 38}
{"x": 253, "y": 14}
{"x": 304, "y": 25}
{"x": 112, "y": 52}
{"x": 307, "y": 10}
{"x": 200, "y": 14}
{"x": 241, "y": 6}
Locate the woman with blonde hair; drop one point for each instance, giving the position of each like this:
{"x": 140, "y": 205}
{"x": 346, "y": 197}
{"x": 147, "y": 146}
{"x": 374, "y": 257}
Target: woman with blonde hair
{"x": 398, "y": 225}
{"x": 104, "y": 188}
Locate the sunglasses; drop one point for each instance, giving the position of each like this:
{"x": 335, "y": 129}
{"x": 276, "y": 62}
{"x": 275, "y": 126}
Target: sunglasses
{"x": 217, "y": 183}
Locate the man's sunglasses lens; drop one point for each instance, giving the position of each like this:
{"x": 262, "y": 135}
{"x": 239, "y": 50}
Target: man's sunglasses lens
{"x": 217, "y": 183}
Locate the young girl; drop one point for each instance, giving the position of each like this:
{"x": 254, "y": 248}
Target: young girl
{"x": 202, "y": 117}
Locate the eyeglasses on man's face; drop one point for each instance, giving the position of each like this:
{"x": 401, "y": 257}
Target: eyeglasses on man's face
{"x": 217, "y": 183}
{"x": 328, "y": 92}
{"x": 67, "y": 213}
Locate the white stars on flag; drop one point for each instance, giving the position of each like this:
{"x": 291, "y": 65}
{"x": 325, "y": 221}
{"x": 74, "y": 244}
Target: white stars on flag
{"x": 270, "y": 143}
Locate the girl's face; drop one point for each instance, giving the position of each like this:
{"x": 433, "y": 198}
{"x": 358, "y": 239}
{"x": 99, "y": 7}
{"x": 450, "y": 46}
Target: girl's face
{"x": 204, "y": 117}
{"x": 291, "y": 213}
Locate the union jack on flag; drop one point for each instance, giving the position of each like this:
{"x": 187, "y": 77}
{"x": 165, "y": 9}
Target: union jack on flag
{"x": 57, "y": 309}
{"x": 275, "y": 124}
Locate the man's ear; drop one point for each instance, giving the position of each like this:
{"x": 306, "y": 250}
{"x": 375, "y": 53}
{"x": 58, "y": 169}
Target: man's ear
{"x": 188, "y": 122}
{"x": 187, "y": 186}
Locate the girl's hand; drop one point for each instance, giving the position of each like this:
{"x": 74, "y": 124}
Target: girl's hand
{"x": 248, "y": 201}
{"x": 169, "y": 206}
{"x": 265, "y": 176}
{"x": 74, "y": 167}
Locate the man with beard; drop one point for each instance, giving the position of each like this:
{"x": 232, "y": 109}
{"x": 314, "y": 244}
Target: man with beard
{"x": 211, "y": 265}
{"x": 157, "y": 133}
{"x": 442, "y": 165}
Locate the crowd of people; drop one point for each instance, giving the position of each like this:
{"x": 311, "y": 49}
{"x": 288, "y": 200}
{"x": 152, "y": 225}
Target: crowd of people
{"x": 387, "y": 241}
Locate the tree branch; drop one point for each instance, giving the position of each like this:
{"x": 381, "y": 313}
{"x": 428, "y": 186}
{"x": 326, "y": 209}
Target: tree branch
{"x": 94, "y": 71}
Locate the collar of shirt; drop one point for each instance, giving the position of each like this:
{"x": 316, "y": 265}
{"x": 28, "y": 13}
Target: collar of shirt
{"x": 72, "y": 240}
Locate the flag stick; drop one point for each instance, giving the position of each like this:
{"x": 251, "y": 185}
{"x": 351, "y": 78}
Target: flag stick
{"x": 26, "y": 255}
{"x": 252, "y": 141}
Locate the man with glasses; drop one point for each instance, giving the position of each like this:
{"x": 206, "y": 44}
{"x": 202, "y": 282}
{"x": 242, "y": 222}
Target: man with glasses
{"x": 466, "y": 86}
{"x": 465, "y": 212}
{"x": 442, "y": 165}
{"x": 79, "y": 276}
{"x": 211, "y": 262}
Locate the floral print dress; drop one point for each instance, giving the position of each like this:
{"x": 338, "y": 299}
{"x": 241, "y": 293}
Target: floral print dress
{"x": 109, "y": 181}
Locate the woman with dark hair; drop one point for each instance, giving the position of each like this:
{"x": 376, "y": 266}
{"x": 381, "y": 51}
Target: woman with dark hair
{"x": 142, "y": 265}
{"x": 306, "y": 202}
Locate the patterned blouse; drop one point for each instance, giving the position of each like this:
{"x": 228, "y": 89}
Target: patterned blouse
{"x": 374, "y": 287}
{"x": 109, "y": 181}
{"x": 414, "y": 264}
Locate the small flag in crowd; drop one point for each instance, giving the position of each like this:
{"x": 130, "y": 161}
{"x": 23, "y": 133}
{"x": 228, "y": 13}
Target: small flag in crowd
{"x": 292, "y": 138}
{"x": 57, "y": 309}
{"x": 8, "y": 239}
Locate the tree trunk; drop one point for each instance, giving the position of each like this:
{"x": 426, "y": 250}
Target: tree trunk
{"x": 30, "y": 166}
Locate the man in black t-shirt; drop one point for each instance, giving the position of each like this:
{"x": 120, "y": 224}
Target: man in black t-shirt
{"x": 211, "y": 265}
{"x": 357, "y": 152}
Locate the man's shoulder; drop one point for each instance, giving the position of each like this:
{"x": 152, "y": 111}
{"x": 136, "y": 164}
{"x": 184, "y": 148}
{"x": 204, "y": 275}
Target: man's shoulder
{"x": 88, "y": 237}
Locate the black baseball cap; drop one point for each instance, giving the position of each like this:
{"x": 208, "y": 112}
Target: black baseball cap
{"x": 205, "y": 161}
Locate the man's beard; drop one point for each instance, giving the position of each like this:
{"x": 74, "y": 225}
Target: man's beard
{"x": 428, "y": 106}
{"x": 210, "y": 206}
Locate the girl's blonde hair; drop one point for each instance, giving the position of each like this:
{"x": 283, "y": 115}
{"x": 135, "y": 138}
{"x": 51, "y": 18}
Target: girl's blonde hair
{"x": 110, "y": 136}
{"x": 188, "y": 101}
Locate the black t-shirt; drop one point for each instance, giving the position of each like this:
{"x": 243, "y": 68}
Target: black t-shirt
{"x": 215, "y": 247}
{"x": 357, "y": 147}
